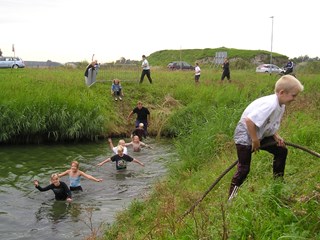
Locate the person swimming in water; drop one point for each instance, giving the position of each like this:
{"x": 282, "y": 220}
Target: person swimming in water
{"x": 137, "y": 144}
{"x": 75, "y": 174}
{"x": 121, "y": 160}
{"x": 115, "y": 148}
{"x": 59, "y": 188}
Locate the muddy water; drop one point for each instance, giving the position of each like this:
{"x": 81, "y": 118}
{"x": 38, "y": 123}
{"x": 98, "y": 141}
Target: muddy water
{"x": 26, "y": 213}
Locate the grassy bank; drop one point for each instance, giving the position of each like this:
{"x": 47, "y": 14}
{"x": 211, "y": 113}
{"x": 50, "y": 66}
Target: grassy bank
{"x": 202, "y": 119}
{"x": 263, "y": 209}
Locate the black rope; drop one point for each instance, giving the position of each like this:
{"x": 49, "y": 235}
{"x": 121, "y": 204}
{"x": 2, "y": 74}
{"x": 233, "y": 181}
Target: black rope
{"x": 234, "y": 164}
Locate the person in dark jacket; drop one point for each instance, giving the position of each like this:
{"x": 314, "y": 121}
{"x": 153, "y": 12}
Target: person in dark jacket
{"x": 60, "y": 189}
{"x": 143, "y": 116}
{"x": 226, "y": 70}
{"x": 289, "y": 67}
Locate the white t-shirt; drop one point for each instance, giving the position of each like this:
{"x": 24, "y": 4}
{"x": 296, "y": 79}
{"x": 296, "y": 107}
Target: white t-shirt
{"x": 115, "y": 150}
{"x": 265, "y": 113}
{"x": 145, "y": 64}
{"x": 197, "y": 70}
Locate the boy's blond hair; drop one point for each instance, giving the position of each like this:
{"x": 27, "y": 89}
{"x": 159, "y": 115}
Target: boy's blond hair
{"x": 54, "y": 175}
{"x": 120, "y": 148}
{"x": 287, "y": 83}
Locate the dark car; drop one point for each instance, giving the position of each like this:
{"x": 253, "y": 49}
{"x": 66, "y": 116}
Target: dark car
{"x": 180, "y": 65}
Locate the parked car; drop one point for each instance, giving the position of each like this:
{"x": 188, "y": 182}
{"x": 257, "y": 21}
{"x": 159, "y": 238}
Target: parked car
{"x": 180, "y": 65}
{"x": 11, "y": 62}
{"x": 268, "y": 68}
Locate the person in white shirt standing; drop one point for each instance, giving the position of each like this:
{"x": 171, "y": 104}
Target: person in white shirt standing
{"x": 258, "y": 127}
{"x": 145, "y": 69}
{"x": 197, "y": 72}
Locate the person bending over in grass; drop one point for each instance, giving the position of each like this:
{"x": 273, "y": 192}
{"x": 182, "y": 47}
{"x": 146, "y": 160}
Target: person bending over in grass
{"x": 121, "y": 160}
{"x": 259, "y": 125}
{"x": 59, "y": 188}
{"x": 74, "y": 176}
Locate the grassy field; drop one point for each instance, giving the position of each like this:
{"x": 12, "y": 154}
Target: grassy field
{"x": 55, "y": 104}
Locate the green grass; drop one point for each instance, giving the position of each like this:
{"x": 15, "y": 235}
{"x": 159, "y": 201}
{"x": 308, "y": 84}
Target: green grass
{"x": 201, "y": 119}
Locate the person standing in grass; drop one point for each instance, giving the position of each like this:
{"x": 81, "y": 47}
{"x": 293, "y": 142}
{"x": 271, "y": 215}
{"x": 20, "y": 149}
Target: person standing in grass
{"x": 86, "y": 73}
{"x": 258, "y": 126}
{"x": 59, "y": 188}
{"x": 197, "y": 72}
{"x": 145, "y": 69}
{"x": 121, "y": 160}
{"x": 74, "y": 176}
{"x": 226, "y": 70}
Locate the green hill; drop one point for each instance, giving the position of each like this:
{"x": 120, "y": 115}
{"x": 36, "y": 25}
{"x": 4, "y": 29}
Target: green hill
{"x": 205, "y": 56}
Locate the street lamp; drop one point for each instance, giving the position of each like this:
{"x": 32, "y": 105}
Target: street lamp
{"x": 271, "y": 40}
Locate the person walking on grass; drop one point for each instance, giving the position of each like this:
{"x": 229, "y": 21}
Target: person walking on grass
{"x": 226, "y": 70}
{"x": 145, "y": 69}
{"x": 259, "y": 126}
{"x": 197, "y": 73}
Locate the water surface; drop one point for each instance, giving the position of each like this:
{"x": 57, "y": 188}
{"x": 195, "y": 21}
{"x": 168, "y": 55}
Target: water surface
{"x": 26, "y": 213}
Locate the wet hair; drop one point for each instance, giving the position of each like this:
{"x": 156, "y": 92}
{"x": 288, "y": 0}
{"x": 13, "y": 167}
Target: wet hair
{"x": 120, "y": 148}
{"x": 76, "y": 163}
{"x": 54, "y": 175}
{"x": 288, "y": 83}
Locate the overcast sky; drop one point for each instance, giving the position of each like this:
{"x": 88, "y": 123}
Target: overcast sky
{"x": 74, "y": 30}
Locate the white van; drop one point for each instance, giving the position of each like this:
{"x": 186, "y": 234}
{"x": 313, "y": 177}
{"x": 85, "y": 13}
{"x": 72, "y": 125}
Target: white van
{"x": 11, "y": 62}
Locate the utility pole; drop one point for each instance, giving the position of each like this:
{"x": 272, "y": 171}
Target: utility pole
{"x": 271, "y": 41}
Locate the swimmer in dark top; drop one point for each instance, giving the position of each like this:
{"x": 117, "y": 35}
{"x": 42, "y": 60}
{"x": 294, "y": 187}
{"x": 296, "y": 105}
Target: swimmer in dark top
{"x": 60, "y": 189}
{"x": 121, "y": 160}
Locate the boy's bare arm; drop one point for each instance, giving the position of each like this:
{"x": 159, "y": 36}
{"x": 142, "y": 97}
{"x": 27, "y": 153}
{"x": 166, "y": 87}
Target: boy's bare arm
{"x": 137, "y": 161}
{"x": 110, "y": 143}
{"x": 253, "y": 134}
{"x": 103, "y": 162}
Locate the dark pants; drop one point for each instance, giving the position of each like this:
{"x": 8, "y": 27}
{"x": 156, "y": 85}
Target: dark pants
{"x": 288, "y": 70}
{"x": 145, "y": 72}
{"x": 117, "y": 93}
{"x": 244, "y": 160}
{"x": 225, "y": 74}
